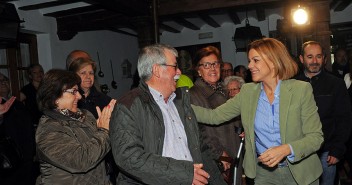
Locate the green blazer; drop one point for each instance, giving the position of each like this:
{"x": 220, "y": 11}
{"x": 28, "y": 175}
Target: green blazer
{"x": 300, "y": 126}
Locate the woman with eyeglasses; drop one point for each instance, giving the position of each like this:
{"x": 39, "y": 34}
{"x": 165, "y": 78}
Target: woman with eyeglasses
{"x": 71, "y": 143}
{"x": 279, "y": 116}
{"x": 208, "y": 92}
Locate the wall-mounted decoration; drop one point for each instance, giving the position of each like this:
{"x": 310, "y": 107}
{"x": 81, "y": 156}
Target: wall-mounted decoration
{"x": 113, "y": 82}
{"x": 126, "y": 69}
{"x": 100, "y": 73}
{"x": 105, "y": 88}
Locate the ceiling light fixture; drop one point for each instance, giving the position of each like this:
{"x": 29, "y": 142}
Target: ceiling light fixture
{"x": 300, "y": 15}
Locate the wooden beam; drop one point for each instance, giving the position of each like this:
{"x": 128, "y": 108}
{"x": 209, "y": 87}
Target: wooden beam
{"x": 75, "y": 11}
{"x": 123, "y": 32}
{"x": 130, "y": 7}
{"x": 342, "y": 5}
{"x": 169, "y": 28}
{"x": 48, "y": 4}
{"x": 260, "y": 13}
{"x": 233, "y": 16}
{"x": 185, "y": 23}
{"x": 210, "y": 21}
{"x": 187, "y": 6}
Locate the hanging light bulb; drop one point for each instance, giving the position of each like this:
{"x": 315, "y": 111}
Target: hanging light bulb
{"x": 300, "y": 16}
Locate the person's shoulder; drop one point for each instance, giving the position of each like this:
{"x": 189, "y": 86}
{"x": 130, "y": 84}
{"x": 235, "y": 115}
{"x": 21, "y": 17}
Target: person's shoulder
{"x": 129, "y": 97}
{"x": 250, "y": 86}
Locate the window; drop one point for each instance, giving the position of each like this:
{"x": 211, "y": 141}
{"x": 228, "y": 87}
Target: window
{"x": 15, "y": 61}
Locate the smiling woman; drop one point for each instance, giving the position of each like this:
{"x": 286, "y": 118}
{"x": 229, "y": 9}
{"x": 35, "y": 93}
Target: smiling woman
{"x": 67, "y": 134}
{"x": 279, "y": 116}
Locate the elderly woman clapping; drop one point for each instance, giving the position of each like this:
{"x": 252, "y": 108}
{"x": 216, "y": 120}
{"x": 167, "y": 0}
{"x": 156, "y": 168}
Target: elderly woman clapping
{"x": 71, "y": 143}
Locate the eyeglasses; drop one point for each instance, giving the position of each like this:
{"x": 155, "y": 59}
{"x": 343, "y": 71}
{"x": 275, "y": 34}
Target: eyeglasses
{"x": 72, "y": 91}
{"x": 174, "y": 66}
{"x": 207, "y": 65}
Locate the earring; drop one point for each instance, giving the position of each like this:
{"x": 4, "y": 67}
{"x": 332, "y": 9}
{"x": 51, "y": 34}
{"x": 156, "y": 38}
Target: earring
{"x": 57, "y": 102}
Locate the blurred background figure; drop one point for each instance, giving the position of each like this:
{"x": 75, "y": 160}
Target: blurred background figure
{"x": 74, "y": 55}
{"x": 85, "y": 68}
{"x": 28, "y": 94}
{"x": 233, "y": 85}
{"x": 208, "y": 92}
{"x": 16, "y": 126}
{"x": 184, "y": 62}
{"x": 226, "y": 70}
{"x": 340, "y": 67}
{"x": 242, "y": 72}
{"x": 71, "y": 142}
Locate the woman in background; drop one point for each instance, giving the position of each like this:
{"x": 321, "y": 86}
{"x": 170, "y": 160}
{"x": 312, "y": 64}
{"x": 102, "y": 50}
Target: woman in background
{"x": 280, "y": 119}
{"x": 85, "y": 68}
{"x": 71, "y": 143}
{"x": 208, "y": 92}
{"x": 28, "y": 94}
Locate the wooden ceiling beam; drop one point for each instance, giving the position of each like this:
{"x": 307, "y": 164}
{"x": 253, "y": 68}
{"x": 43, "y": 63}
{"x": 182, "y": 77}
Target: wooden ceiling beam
{"x": 342, "y": 5}
{"x": 123, "y": 32}
{"x": 129, "y": 7}
{"x": 260, "y": 13}
{"x": 185, "y": 23}
{"x": 210, "y": 21}
{"x": 233, "y": 16}
{"x": 188, "y": 6}
{"x": 75, "y": 11}
{"x": 48, "y": 4}
{"x": 169, "y": 28}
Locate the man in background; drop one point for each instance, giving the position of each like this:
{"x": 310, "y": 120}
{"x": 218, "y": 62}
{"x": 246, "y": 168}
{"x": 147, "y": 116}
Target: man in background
{"x": 334, "y": 108}
{"x": 341, "y": 66}
{"x": 226, "y": 70}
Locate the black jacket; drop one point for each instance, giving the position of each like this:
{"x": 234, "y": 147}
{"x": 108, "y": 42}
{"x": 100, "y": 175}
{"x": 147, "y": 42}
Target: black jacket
{"x": 137, "y": 134}
{"x": 334, "y": 109}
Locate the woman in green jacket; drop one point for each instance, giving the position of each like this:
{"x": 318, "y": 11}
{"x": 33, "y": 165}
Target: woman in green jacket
{"x": 279, "y": 116}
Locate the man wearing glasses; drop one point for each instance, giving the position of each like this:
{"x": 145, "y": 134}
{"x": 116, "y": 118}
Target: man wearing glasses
{"x": 154, "y": 133}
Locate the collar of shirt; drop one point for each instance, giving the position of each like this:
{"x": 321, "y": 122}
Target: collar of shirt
{"x": 159, "y": 97}
{"x": 276, "y": 93}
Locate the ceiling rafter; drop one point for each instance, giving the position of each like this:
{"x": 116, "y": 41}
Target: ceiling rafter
{"x": 185, "y": 23}
{"x": 342, "y": 5}
{"x": 210, "y": 21}
{"x": 233, "y": 16}
{"x": 260, "y": 14}
{"x": 169, "y": 28}
{"x": 48, "y": 4}
{"x": 76, "y": 11}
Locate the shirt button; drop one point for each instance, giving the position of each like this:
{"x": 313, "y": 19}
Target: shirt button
{"x": 189, "y": 117}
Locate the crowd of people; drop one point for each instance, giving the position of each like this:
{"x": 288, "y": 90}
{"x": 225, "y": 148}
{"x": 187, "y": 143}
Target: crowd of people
{"x": 183, "y": 128}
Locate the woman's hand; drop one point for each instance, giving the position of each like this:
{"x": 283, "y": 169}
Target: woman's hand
{"x": 272, "y": 156}
{"x": 6, "y": 106}
{"x": 103, "y": 120}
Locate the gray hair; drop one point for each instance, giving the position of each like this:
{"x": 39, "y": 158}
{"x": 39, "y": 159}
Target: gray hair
{"x": 229, "y": 79}
{"x": 150, "y": 55}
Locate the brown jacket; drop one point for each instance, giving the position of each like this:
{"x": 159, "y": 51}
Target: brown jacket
{"x": 219, "y": 138}
{"x": 71, "y": 152}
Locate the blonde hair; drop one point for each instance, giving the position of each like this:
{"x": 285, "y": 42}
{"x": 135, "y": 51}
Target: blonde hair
{"x": 276, "y": 52}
